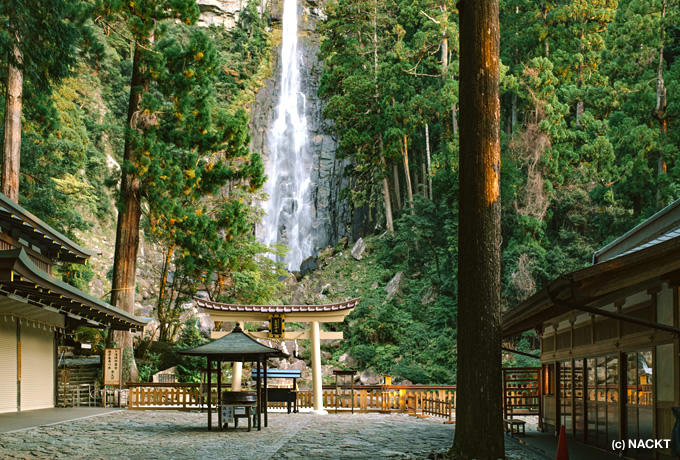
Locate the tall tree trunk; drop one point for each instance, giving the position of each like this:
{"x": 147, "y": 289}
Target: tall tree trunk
{"x": 386, "y": 191}
{"x": 454, "y": 117}
{"x": 129, "y": 214}
{"x": 397, "y": 188}
{"x": 11, "y": 146}
{"x": 429, "y": 164}
{"x": 479, "y": 431}
{"x": 661, "y": 106}
{"x": 161, "y": 309}
{"x": 407, "y": 174}
{"x": 389, "y": 221}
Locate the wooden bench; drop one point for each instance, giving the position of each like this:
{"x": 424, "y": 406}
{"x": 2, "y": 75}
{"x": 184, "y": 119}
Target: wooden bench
{"x": 512, "y": 426}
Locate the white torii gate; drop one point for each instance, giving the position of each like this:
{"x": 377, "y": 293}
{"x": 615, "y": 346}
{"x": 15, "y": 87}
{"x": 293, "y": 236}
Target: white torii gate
{"x": 313, "y": 314}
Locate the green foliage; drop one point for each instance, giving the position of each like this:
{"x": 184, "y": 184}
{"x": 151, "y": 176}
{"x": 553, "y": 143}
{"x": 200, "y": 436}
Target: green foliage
{"x": 149, "y": 366}
{"x": 189, "y": 367}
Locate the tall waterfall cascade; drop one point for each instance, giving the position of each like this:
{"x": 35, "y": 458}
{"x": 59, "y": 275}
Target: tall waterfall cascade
{"x": 290, "y": 209}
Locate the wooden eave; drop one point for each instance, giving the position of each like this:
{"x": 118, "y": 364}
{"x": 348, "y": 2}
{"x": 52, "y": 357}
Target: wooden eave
{"x": 21, "y": 280}
{"x": 22, "y": 225}
{"x": 588, "y": 286}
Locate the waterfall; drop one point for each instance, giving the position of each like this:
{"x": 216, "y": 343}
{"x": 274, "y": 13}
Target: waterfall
{"x": 290, "y": 209}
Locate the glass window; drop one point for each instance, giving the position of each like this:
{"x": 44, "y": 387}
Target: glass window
{"x": 612, "y": 378}
{"x": 566, "y": 394}
{"x": 590, "y": 365}
{"x": 601, "y": 379}
{"x": 631, "y": 378}
{"x": 645, "y": 378}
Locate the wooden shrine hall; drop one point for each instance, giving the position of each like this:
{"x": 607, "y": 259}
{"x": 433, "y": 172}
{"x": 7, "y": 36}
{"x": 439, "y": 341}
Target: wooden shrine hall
{"x": 277, "y": 315}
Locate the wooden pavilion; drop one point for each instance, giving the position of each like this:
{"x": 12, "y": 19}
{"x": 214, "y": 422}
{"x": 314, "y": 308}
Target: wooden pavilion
{"x": 236, "y": 347}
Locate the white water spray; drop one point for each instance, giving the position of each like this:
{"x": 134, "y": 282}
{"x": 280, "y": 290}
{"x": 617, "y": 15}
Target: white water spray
{"x": 290, "y": 208}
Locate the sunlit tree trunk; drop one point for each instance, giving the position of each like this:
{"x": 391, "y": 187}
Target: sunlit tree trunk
{"x": 11, "y": 146}
{"x": 129, "y": 214}
{"x": 407, "y": 174}
{"x": 429, "y": 162}
{"x": 479, "y": 430}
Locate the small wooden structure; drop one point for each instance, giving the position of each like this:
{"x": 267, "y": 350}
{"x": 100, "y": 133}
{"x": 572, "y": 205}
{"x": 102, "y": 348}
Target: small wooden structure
{"x": 236, "y": 346}
{"x": 344, "y": 374}
{"x": 282, "y": 395}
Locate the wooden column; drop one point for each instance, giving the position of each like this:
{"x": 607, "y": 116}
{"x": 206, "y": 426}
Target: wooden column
{"x": 259, "y": 396}
{"x": 209, "y": 394}
{"x": 236, "y": 375}
{"x": 265, "y": 396}
{"x": 317, "y": 388}
{"x": 219, "y": 394}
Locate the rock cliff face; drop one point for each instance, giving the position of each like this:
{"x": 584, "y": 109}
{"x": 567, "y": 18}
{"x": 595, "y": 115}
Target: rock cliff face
{"x": 332, "y": 214}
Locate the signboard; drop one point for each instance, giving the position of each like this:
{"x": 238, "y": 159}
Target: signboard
{"x": 112, "y": 366}
{"x": 277, "y": 326}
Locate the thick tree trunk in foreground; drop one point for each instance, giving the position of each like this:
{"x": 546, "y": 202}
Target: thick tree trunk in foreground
{"x": 129, "y": 214}
{"x": 11, "y": 146}
{"x": 479, "y": 431}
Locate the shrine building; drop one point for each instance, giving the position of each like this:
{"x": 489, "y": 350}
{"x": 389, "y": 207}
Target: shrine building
{"x": 610, "y": 341}
{"x": 36, "y": 309}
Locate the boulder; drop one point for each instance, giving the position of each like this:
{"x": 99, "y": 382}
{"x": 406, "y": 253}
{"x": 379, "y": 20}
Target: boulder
{"x": 429, "y": 295}
{"x": 299, "y": 365}
{"x": 394, "y": 286}
{"x": 359, "y": 249}
{"x": 347, "y": 360}
{"x": 342, "y": 243}
{"x": 308, "y": 265}
{"x": 369, "y": 377}
{"x": 325, "y": 356}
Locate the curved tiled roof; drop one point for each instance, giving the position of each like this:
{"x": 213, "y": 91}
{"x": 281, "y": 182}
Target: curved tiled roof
{"x": 235, "y": 346}
{"x": 22, "y": 280}
{"x": 346, "y": 305}
{"x": 16, "y": 220}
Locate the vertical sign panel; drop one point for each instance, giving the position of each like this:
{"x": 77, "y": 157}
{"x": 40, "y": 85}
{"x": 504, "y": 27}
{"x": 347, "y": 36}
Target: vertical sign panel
{"x": 277, "y": 325}
{"x": 112, "y": 366}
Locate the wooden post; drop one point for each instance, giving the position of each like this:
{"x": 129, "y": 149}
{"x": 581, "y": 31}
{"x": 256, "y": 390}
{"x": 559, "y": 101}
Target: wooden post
{"x": 219, "y": 393}
{"x": 209, "y": 395}
{"x": 266, "y": 396}
{"x": 236, "y": 375}
{"x": 259, "y": 397}
{"x": 316, "y": 368}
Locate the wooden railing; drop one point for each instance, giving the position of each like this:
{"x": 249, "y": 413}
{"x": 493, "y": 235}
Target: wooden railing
{"x": 378, "y": 398}
{"x": 173, "y": 396}
{"x": 367, "y": 398}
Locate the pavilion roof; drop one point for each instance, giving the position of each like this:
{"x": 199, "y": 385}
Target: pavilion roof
{"x": 225, "y": 307}
{"x": 235, "y": 346}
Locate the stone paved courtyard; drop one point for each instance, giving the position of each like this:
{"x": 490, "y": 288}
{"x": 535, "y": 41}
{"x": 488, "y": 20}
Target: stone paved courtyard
{"x": 179, "y": 435}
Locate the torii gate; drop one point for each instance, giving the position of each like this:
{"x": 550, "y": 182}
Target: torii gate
{"x": 277, "y": 315}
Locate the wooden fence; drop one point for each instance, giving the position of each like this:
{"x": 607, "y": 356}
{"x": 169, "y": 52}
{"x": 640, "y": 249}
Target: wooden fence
{"x": 171, "y": 396}
{"x": 414, "y": 399}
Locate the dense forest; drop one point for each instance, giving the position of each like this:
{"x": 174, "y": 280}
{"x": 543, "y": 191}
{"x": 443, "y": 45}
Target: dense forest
{"x": 589, "y": 98}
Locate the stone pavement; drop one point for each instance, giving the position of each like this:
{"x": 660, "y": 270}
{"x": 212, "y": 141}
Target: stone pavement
{"x": 171, "y": 434}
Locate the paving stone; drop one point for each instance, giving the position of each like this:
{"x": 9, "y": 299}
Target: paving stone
{"x": 168, "y": 434}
